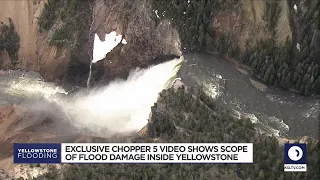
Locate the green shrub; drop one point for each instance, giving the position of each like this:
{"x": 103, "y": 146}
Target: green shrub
{"x": 10, "y": 40}
{"x": 63, "y": 36}
{"x": 48, "y": 15}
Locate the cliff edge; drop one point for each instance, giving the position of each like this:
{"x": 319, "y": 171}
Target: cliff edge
{"x": 56, "y": 37}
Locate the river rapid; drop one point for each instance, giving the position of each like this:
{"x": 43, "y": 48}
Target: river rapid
{"x": 277, "y": 112}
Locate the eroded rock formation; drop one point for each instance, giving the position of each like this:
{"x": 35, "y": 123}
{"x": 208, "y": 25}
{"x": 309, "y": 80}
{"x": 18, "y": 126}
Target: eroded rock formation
{"x": 147, "y": 40}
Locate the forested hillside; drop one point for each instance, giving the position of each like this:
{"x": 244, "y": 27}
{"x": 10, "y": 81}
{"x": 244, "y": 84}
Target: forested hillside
{"x": 191, "y": 19}
{"x": 191, "y": 116}
{"x": 291, "y": 64}
{"x": 68, "y": 21}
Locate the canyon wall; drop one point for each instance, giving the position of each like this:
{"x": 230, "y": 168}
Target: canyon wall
{"x": 34, "y": 53}
{"x": 246, "y": 20}
{"x": 69, "y": 62}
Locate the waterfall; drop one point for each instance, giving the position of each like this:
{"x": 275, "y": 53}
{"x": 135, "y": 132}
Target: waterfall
{"x": 123, "y": 106}
{"x": 89, "y": 77}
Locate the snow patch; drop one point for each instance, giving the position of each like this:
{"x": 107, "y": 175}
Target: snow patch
{"x": 295, "y": 8}
{"x": 102, "y": 48}
{"x": 156, "y": 11}
{"x": 298, "y": 47}
{"x": 124, "y": 41}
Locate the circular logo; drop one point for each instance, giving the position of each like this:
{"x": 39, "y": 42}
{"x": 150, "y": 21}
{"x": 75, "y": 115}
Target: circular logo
{"x": 295, "y": 153}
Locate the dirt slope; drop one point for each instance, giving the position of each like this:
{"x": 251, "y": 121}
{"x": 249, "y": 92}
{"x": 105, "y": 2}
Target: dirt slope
{"x": 34, "y": 53}
{"x": 23, "y": 15}
{"x": 246, "y": 21}
{"x": 24, "y": 125}
{"x": 146, "y": 40}
{"x": 283, "y": 26}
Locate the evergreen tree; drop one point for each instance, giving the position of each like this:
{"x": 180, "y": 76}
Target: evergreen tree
{"x": 208, "y": 42}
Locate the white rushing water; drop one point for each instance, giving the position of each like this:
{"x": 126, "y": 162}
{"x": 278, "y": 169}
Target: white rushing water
{"x": 26, "y": 85}
{"x": 123, "y": 106}
{"x": 214, "y": 86}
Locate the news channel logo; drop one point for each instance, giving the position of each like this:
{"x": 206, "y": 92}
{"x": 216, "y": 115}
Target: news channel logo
{"x": 295, "y": 157}
{"x": 29, "y": 153}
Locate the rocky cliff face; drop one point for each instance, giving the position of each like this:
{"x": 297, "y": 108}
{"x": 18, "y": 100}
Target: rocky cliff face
{"x": 249, "y": 21}
{"x": 24, "y": 16}
{"x": 146, "y": 40}
{"x": 34, "y": 53}
{"x": 61, "y": 52}
{"x": 65, "y": 57}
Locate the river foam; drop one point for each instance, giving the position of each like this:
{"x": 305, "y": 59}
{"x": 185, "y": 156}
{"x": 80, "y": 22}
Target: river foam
{"x": 121, "y": 107}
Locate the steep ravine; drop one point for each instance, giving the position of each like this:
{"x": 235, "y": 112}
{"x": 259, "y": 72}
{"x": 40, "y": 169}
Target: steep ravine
{"x": 35, "y": 53}
{"x": 69, "y": 62}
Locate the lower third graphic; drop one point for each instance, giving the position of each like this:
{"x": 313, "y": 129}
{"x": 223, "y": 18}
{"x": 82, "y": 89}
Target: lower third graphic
{"x": 37, "y": 153}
